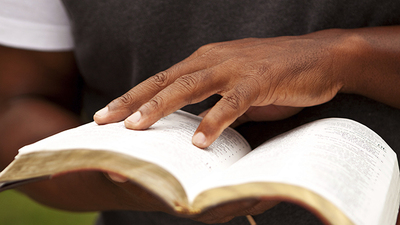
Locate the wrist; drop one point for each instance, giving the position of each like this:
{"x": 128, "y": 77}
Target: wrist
{"x": 368, "y": 63}
{"x": 349, "y": 61}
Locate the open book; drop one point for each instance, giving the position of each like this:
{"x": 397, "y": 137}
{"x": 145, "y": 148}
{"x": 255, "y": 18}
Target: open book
{"x": 337, "y": 168}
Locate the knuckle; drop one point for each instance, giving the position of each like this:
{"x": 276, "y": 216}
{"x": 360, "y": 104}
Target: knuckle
{"x": 251, "y": 88}
{"x": 156, "y": 104}
{"x": 246, "y": 89}
{"x": 188, "y": 86}
{"x": 233, "y": 101}
{"x": 124, "y": 100}
{"x": 261, "y": 70}
{"x": 244, "y": 93}
{"x": 206, "y": 48}
{"x": 161, "y": 79}
{"x": 258, "y": 69}
{"x": 188, "y": 82}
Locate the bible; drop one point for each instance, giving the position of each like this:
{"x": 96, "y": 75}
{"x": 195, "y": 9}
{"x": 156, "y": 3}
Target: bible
{"x": 337, "y": 168}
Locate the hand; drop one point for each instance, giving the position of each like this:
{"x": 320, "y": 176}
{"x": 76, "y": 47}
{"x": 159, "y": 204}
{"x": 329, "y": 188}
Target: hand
{"x": 274, "y": 72}
{"x": 264, "y": 113}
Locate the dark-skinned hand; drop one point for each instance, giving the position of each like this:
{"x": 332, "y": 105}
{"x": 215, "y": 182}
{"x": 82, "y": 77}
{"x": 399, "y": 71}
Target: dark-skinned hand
{"x": 258, "y": 79}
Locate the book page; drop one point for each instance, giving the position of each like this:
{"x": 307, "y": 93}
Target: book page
{"x": 166, "y": 143}
{"x": 339, "y": 159}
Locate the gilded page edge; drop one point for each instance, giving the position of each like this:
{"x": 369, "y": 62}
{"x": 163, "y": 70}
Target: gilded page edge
{"x": 319, "y": 206}
{"x": 53, "y": 163}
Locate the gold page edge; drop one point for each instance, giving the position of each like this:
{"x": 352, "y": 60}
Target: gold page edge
{"x": 51, "y": 163}
{"x": 319, "y": 206}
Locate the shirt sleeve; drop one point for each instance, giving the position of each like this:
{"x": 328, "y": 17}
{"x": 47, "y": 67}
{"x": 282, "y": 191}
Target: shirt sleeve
{"x": 35, "y": 24}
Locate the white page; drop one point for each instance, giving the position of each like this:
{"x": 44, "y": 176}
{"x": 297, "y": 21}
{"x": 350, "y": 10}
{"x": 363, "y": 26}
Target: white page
{"x": 392, "y": 200}
{"x": 170, "y": 141}
{"x": 313, "y": 158}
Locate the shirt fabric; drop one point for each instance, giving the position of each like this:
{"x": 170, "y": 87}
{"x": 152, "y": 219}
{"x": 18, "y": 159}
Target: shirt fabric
{"x": 120, "y": 43}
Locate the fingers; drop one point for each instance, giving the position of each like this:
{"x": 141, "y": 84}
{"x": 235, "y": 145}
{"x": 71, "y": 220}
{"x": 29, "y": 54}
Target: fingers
{"x": 267, "y": 113}
{"x": 213, "y": 69}
{"x": 122, "y": 107}
{"x": 129, "y": 103}
{"x": 232, "y": 105}
{"x": 185, "y": 90}
{"x": 141, "y": 113}
{"x": 191, "y": 89}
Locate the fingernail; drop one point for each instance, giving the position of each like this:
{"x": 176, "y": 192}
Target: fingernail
{"x": 199, "y": 140}
{"x": 102, "y": 112}
{"x": 134, "y": 118}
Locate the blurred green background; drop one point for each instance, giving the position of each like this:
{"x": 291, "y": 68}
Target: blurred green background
{"x": 17, "y": 209}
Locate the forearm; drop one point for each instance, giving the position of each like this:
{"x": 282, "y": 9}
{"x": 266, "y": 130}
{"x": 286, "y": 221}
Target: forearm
{"x": 24, "y": 120}
{"x": 369, "y": 62}
{"x": 39, "y": 96}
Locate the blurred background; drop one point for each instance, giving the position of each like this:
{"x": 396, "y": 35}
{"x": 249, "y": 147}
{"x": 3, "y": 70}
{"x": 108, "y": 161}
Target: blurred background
{"x": 17, "y": 209}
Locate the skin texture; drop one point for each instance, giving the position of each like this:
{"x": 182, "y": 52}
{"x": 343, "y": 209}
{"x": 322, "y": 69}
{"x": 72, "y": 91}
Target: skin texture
{"x": 258, "y": 79}
{"x": 37, "y": 92}
{"x": 266, "y": 79}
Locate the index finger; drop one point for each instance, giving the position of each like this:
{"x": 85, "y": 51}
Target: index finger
{"x": 187, "y": 89}
{"x": 123, "y": 106}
